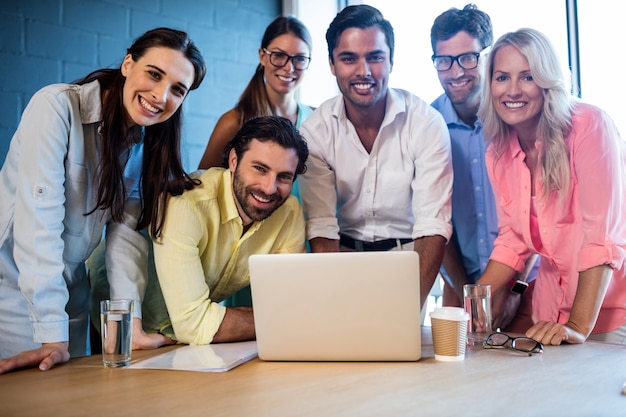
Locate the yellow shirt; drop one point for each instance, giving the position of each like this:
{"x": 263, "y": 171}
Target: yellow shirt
{"x": 202, "y": 257}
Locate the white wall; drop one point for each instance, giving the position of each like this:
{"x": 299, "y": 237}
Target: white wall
{"x": 413, "y": 69}
{"x": 600, "y": 24}
{"x": 319, "y": 83}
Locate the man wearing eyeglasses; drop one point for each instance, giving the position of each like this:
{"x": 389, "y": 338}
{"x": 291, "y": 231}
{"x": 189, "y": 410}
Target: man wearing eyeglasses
{"x": 460, "y": 39}
{"x": 379, "y": 174}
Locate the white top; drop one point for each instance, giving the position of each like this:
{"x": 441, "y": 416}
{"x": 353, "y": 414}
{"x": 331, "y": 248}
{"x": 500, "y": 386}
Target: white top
{"x": 401, "y": 189}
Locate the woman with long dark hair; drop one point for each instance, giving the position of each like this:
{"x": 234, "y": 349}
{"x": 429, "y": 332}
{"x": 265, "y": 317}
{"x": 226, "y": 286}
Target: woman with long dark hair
{"x": 100, "y": 154}
{"x": 284, "y": 56}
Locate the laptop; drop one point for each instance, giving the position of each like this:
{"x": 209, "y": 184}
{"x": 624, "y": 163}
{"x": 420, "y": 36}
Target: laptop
{"x": 344, "y": 306}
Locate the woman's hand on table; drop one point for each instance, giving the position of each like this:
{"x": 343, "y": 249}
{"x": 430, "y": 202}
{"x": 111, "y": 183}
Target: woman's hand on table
{"x": 48, "y": 355}
{"x": 550, "y": 333}
{"x": 143, "y": 340}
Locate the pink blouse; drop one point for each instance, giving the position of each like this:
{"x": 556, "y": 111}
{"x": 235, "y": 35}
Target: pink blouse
{"x": 575, "y": 231}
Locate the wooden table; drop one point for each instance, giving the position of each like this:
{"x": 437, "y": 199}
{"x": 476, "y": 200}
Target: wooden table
{"x": 569, "y": 380}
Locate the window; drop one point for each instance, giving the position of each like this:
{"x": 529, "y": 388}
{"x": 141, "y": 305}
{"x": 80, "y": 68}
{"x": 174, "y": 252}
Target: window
{"x": 413, "y": 69}
{"x": 600, "y": 35}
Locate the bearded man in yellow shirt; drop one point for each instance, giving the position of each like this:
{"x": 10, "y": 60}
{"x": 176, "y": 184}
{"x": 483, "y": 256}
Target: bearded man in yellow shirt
{"x": 211, "y": 230}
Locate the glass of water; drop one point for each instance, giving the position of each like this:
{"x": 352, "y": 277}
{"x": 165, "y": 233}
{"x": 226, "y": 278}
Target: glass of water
{"x": 478, "y": 306}
{"x": 116, "y": 329}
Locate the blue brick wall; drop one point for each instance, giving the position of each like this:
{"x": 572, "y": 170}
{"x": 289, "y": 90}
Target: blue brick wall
{"x": 50, "y": 41}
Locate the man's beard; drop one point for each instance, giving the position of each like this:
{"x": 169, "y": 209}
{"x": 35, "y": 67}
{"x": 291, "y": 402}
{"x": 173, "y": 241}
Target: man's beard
{"x": 250, "y": 210}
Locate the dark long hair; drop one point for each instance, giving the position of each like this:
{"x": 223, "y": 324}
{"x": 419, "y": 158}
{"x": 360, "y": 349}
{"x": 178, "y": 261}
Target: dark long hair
{"x": 254, "y": 101}
{"x": 162, "y": 170}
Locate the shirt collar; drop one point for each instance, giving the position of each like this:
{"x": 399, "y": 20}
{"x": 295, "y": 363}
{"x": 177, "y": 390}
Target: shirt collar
{"x": 451, "y": 116}
{"x": 228, "y": 208}
{"x": 394, "y": 106}
{"x": 516, "y": 149}
{"x": 91, "y": 110}
{"x": 90, "y": 102}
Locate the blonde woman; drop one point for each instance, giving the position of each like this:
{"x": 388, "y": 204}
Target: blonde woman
{"x": 558, "y": 170}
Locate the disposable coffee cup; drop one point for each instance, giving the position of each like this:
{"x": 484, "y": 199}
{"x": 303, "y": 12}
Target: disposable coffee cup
{"x": 449, "y": 328}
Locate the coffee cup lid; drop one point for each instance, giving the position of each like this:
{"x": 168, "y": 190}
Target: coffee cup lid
{"x": 449, "y": 313}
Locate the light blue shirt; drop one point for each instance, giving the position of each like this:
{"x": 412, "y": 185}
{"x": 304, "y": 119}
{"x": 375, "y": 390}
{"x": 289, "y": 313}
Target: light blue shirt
{"x": 474, "y": 215}
{"x": 47, "y": 185}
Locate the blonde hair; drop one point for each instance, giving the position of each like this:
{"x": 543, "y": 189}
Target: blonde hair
{"x": 555, "y": 121}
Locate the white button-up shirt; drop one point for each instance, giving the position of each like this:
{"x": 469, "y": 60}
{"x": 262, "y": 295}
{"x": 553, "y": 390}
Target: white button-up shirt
{"x": 401, "y": 189}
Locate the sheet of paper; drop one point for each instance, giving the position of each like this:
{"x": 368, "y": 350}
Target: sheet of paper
{"x": 219, "y": 357}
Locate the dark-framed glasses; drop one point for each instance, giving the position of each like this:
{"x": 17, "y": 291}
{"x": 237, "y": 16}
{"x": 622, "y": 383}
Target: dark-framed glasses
{"x": 466, "y": 61}
{"x": 280, "y": 59}
{"x": 519, "y": 344}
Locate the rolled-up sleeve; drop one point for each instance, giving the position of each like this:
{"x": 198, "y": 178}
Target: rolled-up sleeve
{"x": 432, "y": 182}
{"x": 599, "y": 168}
{"x": 40, "y": 209}
{"x": 127, "y": 257}
{"x": 195, "y": 317}
{"x": 317, "y": 184}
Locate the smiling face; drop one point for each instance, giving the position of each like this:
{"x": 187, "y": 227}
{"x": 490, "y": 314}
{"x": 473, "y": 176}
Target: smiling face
{"x": 516, "y": 97}
{"x": 283, "y": 80}
{"x": 362, "y": 66}
{"x": 155, "y": 85}
{"x": 462, "y": 86}
{"x": 262, "y": 179}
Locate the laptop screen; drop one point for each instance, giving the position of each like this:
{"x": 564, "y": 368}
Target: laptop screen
{"x": 342, "y": 306}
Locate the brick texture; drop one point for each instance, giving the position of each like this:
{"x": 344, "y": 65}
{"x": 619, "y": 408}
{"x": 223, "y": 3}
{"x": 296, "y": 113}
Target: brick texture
{"x": 50, "y": 41}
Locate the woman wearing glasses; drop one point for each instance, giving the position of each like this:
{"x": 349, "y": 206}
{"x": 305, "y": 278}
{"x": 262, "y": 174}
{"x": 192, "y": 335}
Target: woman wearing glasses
{"x": 284, "y": 55}
{"x": 558, "y": 170}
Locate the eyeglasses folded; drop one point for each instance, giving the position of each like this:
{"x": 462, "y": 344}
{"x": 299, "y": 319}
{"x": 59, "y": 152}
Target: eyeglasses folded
{"x": 518, "y": 344}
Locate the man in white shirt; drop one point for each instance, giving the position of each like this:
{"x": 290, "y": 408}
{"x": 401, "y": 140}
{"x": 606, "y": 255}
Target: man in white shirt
{"x": 379, "y": 172}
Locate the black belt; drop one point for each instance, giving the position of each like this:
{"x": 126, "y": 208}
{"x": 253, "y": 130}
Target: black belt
{"x": 380, "y": 245}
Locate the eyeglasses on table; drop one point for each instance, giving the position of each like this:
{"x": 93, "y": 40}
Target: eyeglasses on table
{"x": 518, "y": 344}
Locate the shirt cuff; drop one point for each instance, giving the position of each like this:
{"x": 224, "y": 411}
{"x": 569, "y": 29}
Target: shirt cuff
{"x": 51, "y": 332}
